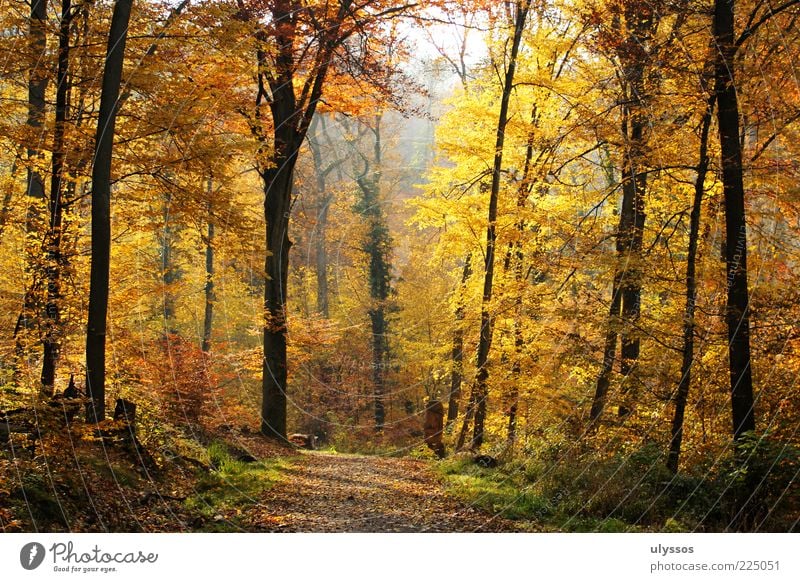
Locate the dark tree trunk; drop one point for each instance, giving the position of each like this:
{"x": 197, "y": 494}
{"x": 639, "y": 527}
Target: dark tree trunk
{"x": 632, "y": 219}
{"x": 609, "y": 354}
{"x": 277, "y": 197}
{"x": 640, "y": 24}
{"x": 457, "y": 357}
{"x": 379, "y": 352}
{"x": 377, "y": 246}
{"x": 37, "y": 87}
{"x": 480, "y": 389}
{"x": 101, "y": 213}
{"x": 208, "y": 318}
{"x": 737, "y": 313}
{"x": 682, "y": 394}
{"x": 280, "y": 140}
{"x": 632, "y": 216}
{"x": 170, "y": 273}
{"x": 53, "y": 251}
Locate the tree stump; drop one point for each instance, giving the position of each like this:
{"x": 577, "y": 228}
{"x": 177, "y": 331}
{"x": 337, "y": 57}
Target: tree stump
{"x": 126, "y": 410}
{"x": 434, "y": 426}
{"x": 304, "y": 441}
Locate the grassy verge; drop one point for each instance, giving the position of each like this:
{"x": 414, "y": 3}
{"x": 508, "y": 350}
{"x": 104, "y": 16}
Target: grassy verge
{"x": 223, "y": 496}
{"x": 587, "y": 492}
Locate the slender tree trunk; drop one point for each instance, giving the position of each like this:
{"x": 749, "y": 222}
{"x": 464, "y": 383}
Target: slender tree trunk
{"x": 377, "y": 246}
{"x": 682, "y": 394}
{"x": 101, "y": 213}
{"x": 480, "y": 390}
{"x": 610, "y": 346}
{"x": 609, "y": 354}
{"x": 7, "y": 199}
{"x": 37, "y": 87}
{"x": 208, "y": 318}
{"x": 517, "y": 256}
{"x": 320, "y": 240}
{"x": 321, "y": 257}
{"x": 640, "y": 24}
{"x": 53, "y": 250}
{"x": 457, "y": 357}
{"x": 170, "y": 273}
{"x": 737, "y": 313}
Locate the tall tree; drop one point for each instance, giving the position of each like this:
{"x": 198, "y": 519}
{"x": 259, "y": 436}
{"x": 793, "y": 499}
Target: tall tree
{"x": 324, "y": 198}
{"x": 631, "y": 35}
{"x": 295, "y": 52}
{"x": 377, "y": 246}
{"x": 457, "y": 352}
{"x": 210, "y": 297}
{"x": 642, "y": 20}
{"x": 480, "y": 390}
{"x": 101, "y": 212}
{"x": 37, "y": 88}
{"x": 737, "y": 313}
{"x": 687, "y": 357}
{"x": 53, "y": 238}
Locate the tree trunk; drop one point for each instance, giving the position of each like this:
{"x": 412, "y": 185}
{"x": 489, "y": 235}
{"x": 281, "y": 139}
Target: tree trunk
{"x": 737, "y": 313}
{"x": 457, "y": 357}
{"x": 276, "y": 56}
{"x": 631, "y": 231}
{"x": 516, "y": 254}
{"x": 37, "y": 87}
{"x": 640, "y": 24}
{"x": 377, "y": 247}
{"x": 101, "y": 213}
{"x": 170, "y": 273}
{"x": 208, "y": 318}
{"x": 480, "y": 390}
{"x": 320, "y": 239}
{"x": 682, "y": 394}
{"x": 609, "y": 354}
{"x": 321, "y": 257}
{"x": 277, "y": 197}
{"x": 7, "y": 198}
{"x": 53, "y": 252}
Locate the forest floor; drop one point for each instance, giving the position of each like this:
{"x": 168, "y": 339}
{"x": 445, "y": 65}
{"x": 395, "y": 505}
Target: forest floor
{"x": 243, "y": 484}
{"x": 325, "y": 492}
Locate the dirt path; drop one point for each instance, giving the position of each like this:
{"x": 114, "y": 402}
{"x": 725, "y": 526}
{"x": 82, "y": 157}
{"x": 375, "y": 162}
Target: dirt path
{"x": 347, "y": 493}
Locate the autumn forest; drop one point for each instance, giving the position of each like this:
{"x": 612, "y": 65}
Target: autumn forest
{"x": 364, "y": 265}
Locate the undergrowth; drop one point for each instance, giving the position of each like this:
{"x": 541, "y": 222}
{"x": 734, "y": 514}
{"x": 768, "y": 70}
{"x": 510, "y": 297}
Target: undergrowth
{"x": 751, "y": 488}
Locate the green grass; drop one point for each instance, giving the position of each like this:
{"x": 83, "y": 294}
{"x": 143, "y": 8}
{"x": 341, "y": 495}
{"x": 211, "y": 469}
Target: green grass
{"x": 633, "y": 491}
{"x": 498, "y": 491}
{"x": 542, "y": 500}
{"x": 232, "y": 486}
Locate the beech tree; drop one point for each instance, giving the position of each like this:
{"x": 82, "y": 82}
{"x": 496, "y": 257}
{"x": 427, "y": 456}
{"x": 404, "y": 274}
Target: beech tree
{"x": 479, "y": 392}
{"x": 297, "y": 48}
{"x": 101, "y": 212}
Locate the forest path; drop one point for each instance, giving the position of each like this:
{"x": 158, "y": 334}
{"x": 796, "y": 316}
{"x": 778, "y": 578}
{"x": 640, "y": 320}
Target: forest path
{"x": 350, "y": 493}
